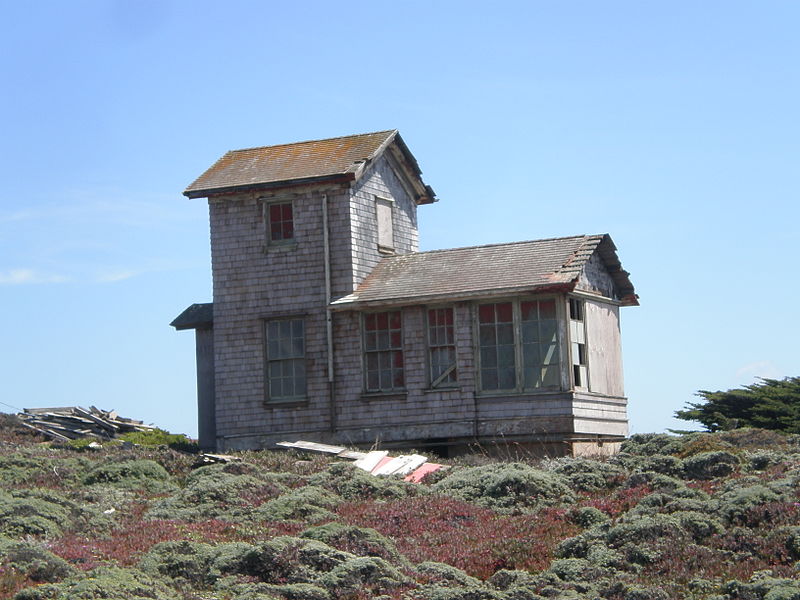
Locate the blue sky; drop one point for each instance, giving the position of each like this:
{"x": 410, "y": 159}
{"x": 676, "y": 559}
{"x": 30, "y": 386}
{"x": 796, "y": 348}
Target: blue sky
{"x": 673, "y": 126}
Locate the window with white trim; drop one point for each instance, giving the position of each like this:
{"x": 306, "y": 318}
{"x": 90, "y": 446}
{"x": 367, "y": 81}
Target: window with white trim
{"x": 280, "y": 222}
{"x": 285, "y": 359}
{"x": 383, "y": 352}
{"x": 441, "y": 347}
{"x": 518, "y": 345}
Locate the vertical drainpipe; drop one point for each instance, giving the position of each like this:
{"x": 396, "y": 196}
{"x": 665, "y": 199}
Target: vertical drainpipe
{"x": 328, "y": 315}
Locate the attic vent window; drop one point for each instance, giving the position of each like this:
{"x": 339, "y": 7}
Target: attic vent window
{"x": 383, "y": 211}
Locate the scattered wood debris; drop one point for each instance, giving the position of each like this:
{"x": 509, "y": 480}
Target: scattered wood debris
{"x": 66, "y": 423}
{"x": 412, "y": 467}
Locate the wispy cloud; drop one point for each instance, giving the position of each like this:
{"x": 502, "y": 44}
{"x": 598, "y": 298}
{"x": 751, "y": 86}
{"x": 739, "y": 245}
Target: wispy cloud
{"x": 762, "y": 368}
{"x": 29, "y": 276}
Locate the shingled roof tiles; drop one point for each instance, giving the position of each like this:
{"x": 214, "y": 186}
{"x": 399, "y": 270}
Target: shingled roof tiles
{"x": 299, "y": 161}
{"x": 477, "y": 270}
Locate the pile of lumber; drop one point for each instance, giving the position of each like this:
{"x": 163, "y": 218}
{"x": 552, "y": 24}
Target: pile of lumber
{"x": 412, "y": 467}
{"x": 72, "y": 422}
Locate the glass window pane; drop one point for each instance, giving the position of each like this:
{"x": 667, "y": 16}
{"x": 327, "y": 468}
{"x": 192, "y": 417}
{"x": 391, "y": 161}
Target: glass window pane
{"x": 488, "y": 357}
{"x": 487, "y": 335}
{"x": 504, "y": 312}
{"x": 369, "y": 322}
{"x": 548, "y": 331}
{"x": 550, "y": 376}
{"x": 530, "y": 355}
{"x": 548, "y": 354}
{"x": 489, "y": 379}
{"x": 506, "y": 378}
{"x": 286, "y": 211}
{"x": 505, "y": 356}
{"x": 394, "y": 320}
{"x": 395, "y": 340}
{"x": 505, "y": 334}
{"x": 530, "y": 332}
{"x": 528, "y": 311}
{"x": 486, "y": 313}
{"x": 383, "y": 320}
{"x": 547, "y": 309}
{"x": 274, "y": 213}
{"x": 398, "y": 378}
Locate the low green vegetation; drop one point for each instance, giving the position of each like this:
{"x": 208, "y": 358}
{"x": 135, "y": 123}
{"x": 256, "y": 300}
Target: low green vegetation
{"x": 700, "y": 516}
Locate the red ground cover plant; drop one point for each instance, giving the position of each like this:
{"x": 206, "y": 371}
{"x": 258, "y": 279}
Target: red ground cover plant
{"x": 135, "y": 535}
{"x": 617, "y": 502}
{"x": 476, "y": 540}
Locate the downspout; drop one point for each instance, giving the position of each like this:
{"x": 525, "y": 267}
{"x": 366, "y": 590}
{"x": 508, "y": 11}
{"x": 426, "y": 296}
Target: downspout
{"x": 328, "y": 314}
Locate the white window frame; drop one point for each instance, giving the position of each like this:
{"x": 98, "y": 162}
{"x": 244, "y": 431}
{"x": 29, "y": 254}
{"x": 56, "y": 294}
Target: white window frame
{"x": 380, "y": 350}
{"x": 285, "y": 359}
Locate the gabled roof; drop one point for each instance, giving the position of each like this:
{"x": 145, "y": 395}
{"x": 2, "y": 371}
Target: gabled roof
{"x": 336, "y": 159}
{"x": 196, "y": 316}
{"x": 463, "y": 273}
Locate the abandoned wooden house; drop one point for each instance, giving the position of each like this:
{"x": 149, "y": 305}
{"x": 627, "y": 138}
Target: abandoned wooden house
{"x": 328, "y": 324}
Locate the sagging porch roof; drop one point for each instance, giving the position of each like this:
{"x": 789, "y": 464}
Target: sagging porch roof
{"x": 553, "y": 264}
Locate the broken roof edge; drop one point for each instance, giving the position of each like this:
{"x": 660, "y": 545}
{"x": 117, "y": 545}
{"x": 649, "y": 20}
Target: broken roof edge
{"x": 607, "y": 251}
{"x": 352, "y": 302}
{"x": 195, "y": 316}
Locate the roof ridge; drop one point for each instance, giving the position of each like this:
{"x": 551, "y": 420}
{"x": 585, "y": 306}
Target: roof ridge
{"x": 517, "y": 243}
{"x": 339, "y": 137}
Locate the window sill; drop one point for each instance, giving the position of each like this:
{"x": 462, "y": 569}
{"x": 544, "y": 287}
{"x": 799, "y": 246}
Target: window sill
{"x": 450, "y": 388}
{"x": 500, "y": 394}
{"x": 301, "y": 402}
{"x": 280, "y": 247}
{"x": 393, "y": 395}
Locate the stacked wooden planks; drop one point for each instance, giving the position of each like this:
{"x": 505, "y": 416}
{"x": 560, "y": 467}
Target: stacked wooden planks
{"x": 66, "y": 423}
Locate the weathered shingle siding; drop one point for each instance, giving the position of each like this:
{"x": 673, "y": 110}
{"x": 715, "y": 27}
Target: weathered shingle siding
{"x": 595, "y": 277}
{"x": 251, "y": 284}
{"x": 604, "y": 344}
{"x": 379, "y": 180}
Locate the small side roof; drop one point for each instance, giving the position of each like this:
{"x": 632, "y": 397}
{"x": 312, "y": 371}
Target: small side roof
{"x": 197, "y": 316}
{"x": 334, "y": 159}
{"x": 538, "y": 265}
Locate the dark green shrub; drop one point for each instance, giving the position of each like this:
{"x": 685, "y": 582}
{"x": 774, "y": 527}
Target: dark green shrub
{"x": 105, "y": 582}
{"x": 793, "y": 542}
{"x": 131, "y": 474}
{"x": 663, "y": 483}
{"x": 437, "y": 572}
{"x": 358, "y": 573}
{"x": 33, "y": 560}
{"x": 27, "y": 468}
{"x": 361, "y": 541}
{"x": 21, "y": 515}
{"x": 214, "y": 494}
{"x": 159, "y": 437}
{"x": 351, "y": 483}
{"x": 763, "y": 587}
{"x": 515, "y": 585}
{"x": 644, "y": 529}
{"x": 710, "y": 465}
{"x": 646, "y": 593}
{"x": 736, "y": 503}
{"x": 505, "y": 487}
{"x": 698, "y": 525}
{"x": 309, "y": 503}
{"x": 759, "y": 460}
{"x": 588, "y": 516}
{"x": 573, "y": 569}
{"x": 443, "y": 592}
{"x": 184, "y": 561}
{"x": 647, "y": 444}
{"x": 587, "y": 475}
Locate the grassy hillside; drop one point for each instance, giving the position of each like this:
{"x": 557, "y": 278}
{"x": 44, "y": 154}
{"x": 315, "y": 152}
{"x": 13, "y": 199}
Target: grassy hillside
{"x": 704, "y": 516}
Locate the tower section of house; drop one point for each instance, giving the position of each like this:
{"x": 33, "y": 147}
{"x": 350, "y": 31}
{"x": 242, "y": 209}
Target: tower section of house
{"x": 328, "y": 324}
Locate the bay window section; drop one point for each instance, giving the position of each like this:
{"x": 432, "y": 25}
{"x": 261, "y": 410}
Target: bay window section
{"x": 519, "y": 348}
{"x": 441, "y": 347}
{"x": 383, "y": 352}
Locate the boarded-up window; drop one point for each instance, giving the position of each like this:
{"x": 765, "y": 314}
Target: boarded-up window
{"x": 286, "y": 364}
{"x": 519, "y": 348}
{"x": 383, "y": 209}
{"x": 383, "y": 351}
{"x": 577, "y": 337}
{"x": 280, "y": 222}
{"x": 441, "y": 347}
